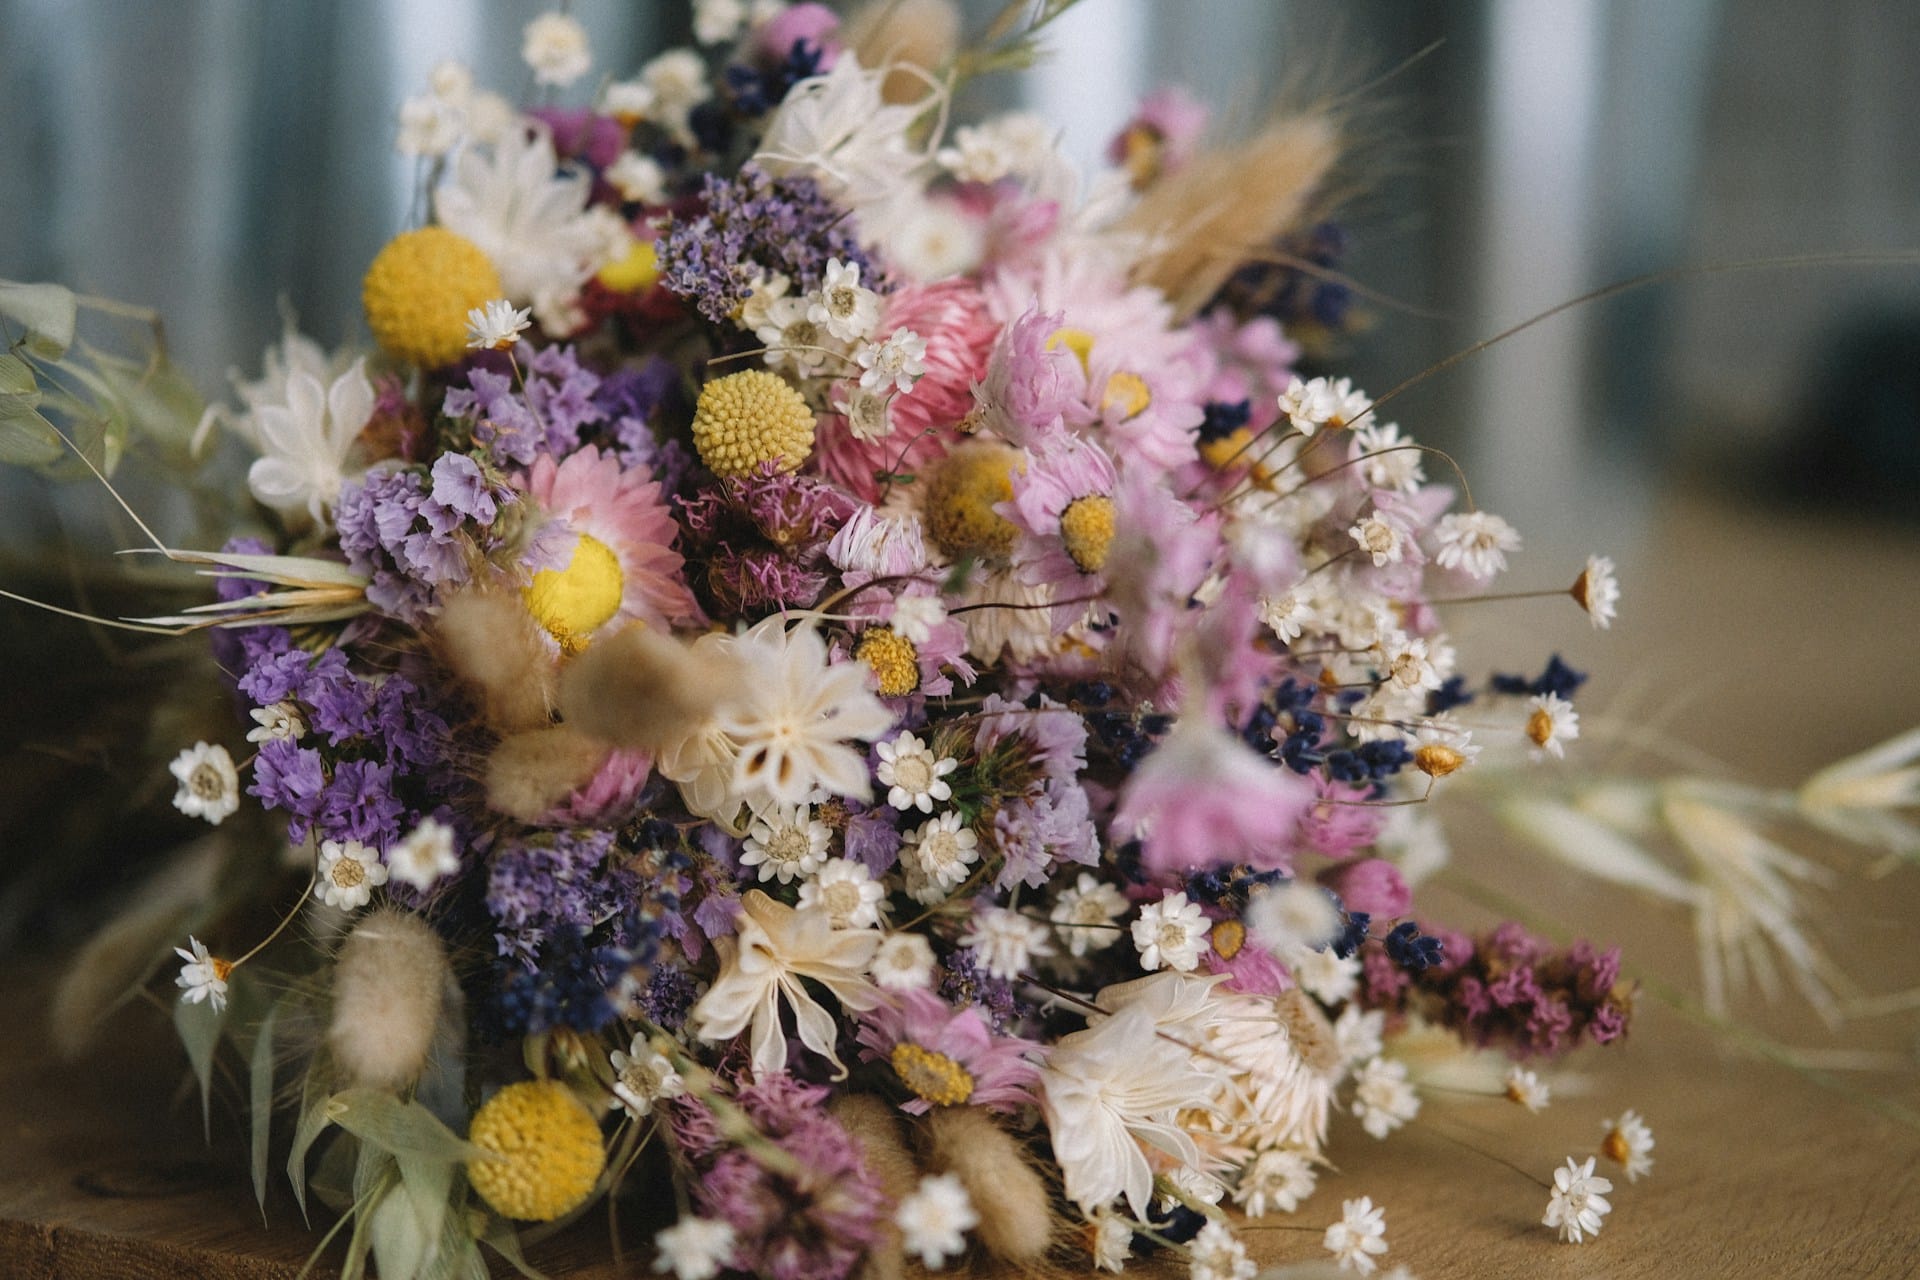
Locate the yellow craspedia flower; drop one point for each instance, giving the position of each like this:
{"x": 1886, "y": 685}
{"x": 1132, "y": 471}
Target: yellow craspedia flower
{"x": 636, "y": 270}
{"x": 418, "y": 291}
{"x": 748, "y": 418}
{"x": 573, "y": 602}
{"x": 548, "y": 1148}
{"x": 961, "y": 494}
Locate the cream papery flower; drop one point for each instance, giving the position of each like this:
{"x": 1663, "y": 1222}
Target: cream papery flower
{"x": 838, "y": 130}
{"x": 526, "y": 216}
{"x": 790, "y": 723}
{"x": 305, "y": 443}
{"x": 1107, "y": 1090}
{"x": 761, "y": 967}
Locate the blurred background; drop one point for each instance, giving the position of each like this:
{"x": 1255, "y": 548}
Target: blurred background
{"x": 230, "y": 162}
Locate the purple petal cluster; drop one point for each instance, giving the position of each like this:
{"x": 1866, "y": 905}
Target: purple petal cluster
{"x": 412, "y": 533}
{"x": 759, "y": 543}
{"x": 557, "y": 404}
{"x": 562, "y": 881}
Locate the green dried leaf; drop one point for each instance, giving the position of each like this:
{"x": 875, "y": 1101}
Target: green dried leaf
{"x": 260, "y": 1082}
{"x": 16, "y": 377}
{"x": 199, "y": 1027}
{"x": 48, "y": 312}
{"x": 27, "y": 439}
{"x": 501, "y": 1239}
{"x": 400, "y": 1128}
{"x": 315, "y": 1094}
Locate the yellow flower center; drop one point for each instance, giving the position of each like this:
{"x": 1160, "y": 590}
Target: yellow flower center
{"x": 1437, "y": 759}
{"x": 1128, "y": 392}
{"x": 572, "y": 602}
{"x": 749, "y": 418}
{"x": 895, "y": 661}
{"x": 1078, "y": 341}
{"x": 842, "y": 900}
{"x": 1087, "y": 528}
{"x": 932, "y": 1076}
{"x": 418, "y": 291}
{"x": 1614, "y": 1147}
{"x": 1540, "y": 728}
{"x": 635, "y": 271}
{"x": 1228, "y": 937}
{"x": 546, "y": 1152}
{"x": 347, "y": 872}
{"x": 960, "y": 499}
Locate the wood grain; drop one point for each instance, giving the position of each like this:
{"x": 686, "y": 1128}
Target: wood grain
{"x": 1790, "y": 638}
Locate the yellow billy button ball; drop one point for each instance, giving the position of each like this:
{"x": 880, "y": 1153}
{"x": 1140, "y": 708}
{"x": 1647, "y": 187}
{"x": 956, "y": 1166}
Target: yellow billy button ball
{"x": 418, "y": 291}
{"x": 546, "y": 1151}
{"x": 894, "y": 659}
{"x": 749, "y": 418}
{"x": 635, "y": 271}
{"x": 961, "y": 494}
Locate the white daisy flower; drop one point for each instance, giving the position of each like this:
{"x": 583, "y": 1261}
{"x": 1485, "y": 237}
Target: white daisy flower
{"x": 203, "y": 976}
{"x": 1551, "y": 724}
{"x": 527, "y": 213}
{"x": 894, "y": 363}
{"x": 556, "y": 47}
{"x": 1380, "y": 538}
{"x": 281, "y": 720}
{"x": 496, "y": 326}
{"x": 842, "y": 306}
{"x": 1359, "y": 1236}
{"x": 1084, "y": 914}
{"x": 1279, "y": 1178}
{"x": 1006, "y": 942}
{"x": 937, "y": 854}
{"x": 1597, "y": 591}
{"x": 1387, "y": 459}
{"x": 1358, "y": 1034}
{"x": 914, "y": 776}
{"x": 847, "y": 892}
{"x": 904, "y": 962}
{"x": 1628, "y": 1142}
{"x": 1382, "y": 1098}
{"x": 1527, "y": 1089}
{"x": 424, "y": 856}
{"x": 642, "y": 1077}
{"x": 786, "y": 842}
{"x": 693, "y": 1248}
{"x": 349, "y": 873}
{"x": 793, "y": 341}
{"x": 1289, "y": 614}
{"x": 868, "y": 413}
{"x": 209, "y": 785}
{"x": 1474, "y": 542}
{"x": 1112, "y": 1242}
{"x": 1308, "y": 406}
{"x": 1171, "y": 933}
{"x": 638, "y": 178}
{"x": 1322, "y": 974}
{"x": 677, "y": 79}
{"x": 935, "y": 1218}
{"x": 1578, "y": 1201}
{"x": 430, "y": 126}
{"x": 1215, "y": 1254}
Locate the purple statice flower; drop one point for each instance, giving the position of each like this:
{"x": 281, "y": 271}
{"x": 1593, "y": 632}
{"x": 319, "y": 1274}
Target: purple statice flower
{"x": 669, "y": 996}
{"x": 275, "y": 674}
{"x": 758, "y": 543}
{"x": 630, "y": 400}
{"x": 872, "y": 837}
{"x": 547, "y": 417}
{"x": 1037, "y": 832}
{"x": 289, "y": 776}
{"x": 358, "y": 804}
{"x": 1056, "y": 734}
{"x": 965, "y": 982}
{"x": 754, "y": 225}
{"x": 913, "y": 1030}
{"x": 460, "y": 492}
{"x": 558, "y": 881}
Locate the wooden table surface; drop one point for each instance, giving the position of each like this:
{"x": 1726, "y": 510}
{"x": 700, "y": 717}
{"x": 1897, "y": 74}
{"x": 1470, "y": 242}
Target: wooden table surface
{"x": 1792, "y": 640}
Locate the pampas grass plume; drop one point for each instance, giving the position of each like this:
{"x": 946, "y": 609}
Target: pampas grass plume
{"x": 915, "y": 33}
{"x": 492, "y": 643}
{"x": 1016, "y": 1213}
{"x": 529, "y": 773}
{"x": 1230, "y": 203}
{"x": 389, "y": 984}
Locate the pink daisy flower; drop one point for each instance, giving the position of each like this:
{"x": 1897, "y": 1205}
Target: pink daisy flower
{"x": 1063, "y": 507}
{"x": 1204, "y": 799}
{"x": 947, "y": 1056}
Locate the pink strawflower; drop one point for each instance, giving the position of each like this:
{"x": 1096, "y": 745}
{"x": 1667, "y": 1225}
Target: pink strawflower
{"x": 1335, "y": 825}
{"x": 1372, "y": 885}
{"x": 993, "y": 1071}
{"x": 1030, "y": 386}
{"x": 1252, "y": 970}
{"x": 774, "y": 39}
{"x": 608, "y": 797}
{"x": 592, "y": 495}
{"x": 1204, "y": 799}
{"x": 1173, "y": 119}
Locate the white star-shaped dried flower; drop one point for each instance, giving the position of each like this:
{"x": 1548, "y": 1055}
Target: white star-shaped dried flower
{"x": 209, "y": 785}
{"x": 642, "y": 1077}
{"x": 914, "y": 776}
{"x": 1474, "y": 542}
{"x": 761, "y": 968}
{"x": 1551, "y": 724}
{"x": 1216, "y": 1254}
{"x": 638, "y": 178}
{"x": 1578, "y": 1201}
{"x": 694, "y": 1248}
{"x": 282, "y": 720}
{"x": 497, "y": 326}
{"x": 937, "y": 855}
{"x": 1171, "y": 933}
{"x": 1278, "y": 1178}
{"x": 349, "y": 873}
{"x": 425, "y": 855}
{"x": 903, "y": 962}
{"x": 430, "y": 126}
{"x": 1084, "y": 915}
{"x": 1629, "y": 1143}
{"x": 1387, "y": 459}
{"x": 842, "y": 305}
{"x": 1359, "y": 1236}
{"x": 555, "y": 45}
{"x": 305, "y": 443}
{"x": 894, "y": 363}
{"x": 1308, "y": 406}
{"x": 1380, "y": 538}
{"x": 203, "y": 976}
{"x": 869, "y": 414}
{"x": 934, "y": 1219}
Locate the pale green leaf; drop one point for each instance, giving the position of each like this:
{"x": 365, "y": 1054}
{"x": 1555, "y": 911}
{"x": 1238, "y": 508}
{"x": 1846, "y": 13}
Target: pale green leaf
{"x": 315, "y": 1093}
{"x": 48, "y": 312}
{"x": 260, "y": 1090}
{"x": 27, "y": 439}
{"x": 199, "y": 1027}
{"x": 16, "y": 377}
{"x": 400, "y": 1128}
{"x": 500, "y": 1237}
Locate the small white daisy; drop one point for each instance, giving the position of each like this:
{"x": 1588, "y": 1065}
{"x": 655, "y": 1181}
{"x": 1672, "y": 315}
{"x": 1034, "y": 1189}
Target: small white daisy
{"x": 1578, "y": 1201}
{"x": 1597, "y": 591}
{"x": 496, "y": 326}
{"x": 895, "y": 362}
{"x": 1171, "y": 933}
{"x": 1388, "y": 460}
{"x": 1358, "y": 1237}
{"x": 786, "y": 842}
{"x": 556, "y": 47}
{"x": 868, "y": 413}
{"x": 209, "y": 785}
{"x": 1551, "y": 724}
{"x": 282, "y": 720}
{"x": 349, "y": 873}
{"x": 1474, "y": 542}
{"x": 424, "y": 856}
{"x": 1380, "y": 538}
{"x": 1442, "y": 747}
{"x": 202, "y": 977}
{"x": 1628, "y": 1142}
{"x": 913, "y": 775}
{"x": 915, "y": 617}
{"x": 842, "y": 306}
{"x": 1278, "y": 1178}
{"x": 430, "y": 126}
{"x": 1322, "y": 974}
{"x": 718, "y": 21}
{"x": 935, "y": 1218}
{"x": 1215, "y": 1254}
{"x": 1005, "y": 941}
{"x": 1289, "y": 614}
{"x": 1382, "y": 1098}
{"x": 1358, "y": 1034}
{"x": 937, "y": 854}
{"x": 642, "y": 1077}
{"x": 638, "y": 178}
{"x": 847, "y": 892}
{"x": 1112, "y": 1242}
{"x": 1084, "y": 914}
{"x": 793, "y": 341}
{"x": 1309, "y": 406}
{"x": 903, "y": 962}
{"x": 1195, "y": 1186}
{"x": 1527, "y": 1089}
{"x": 1407, "y": 661}
{"x": 693, "y": 1248}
